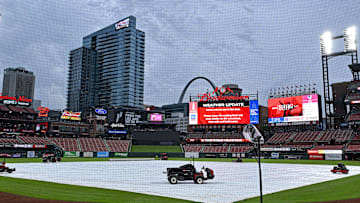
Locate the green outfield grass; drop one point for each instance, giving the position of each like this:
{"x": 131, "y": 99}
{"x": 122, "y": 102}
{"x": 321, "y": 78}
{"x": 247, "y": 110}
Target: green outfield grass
{"x": 155, "y": 148}
{"x": 344, "y": 188}
{"x": 55, "y": 191}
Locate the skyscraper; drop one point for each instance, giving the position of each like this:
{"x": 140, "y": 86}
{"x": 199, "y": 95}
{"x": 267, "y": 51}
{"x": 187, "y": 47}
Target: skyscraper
{"x": 18, "y": 82}
{"x": 115, "y": 75}
{"x": 81, "y": 79}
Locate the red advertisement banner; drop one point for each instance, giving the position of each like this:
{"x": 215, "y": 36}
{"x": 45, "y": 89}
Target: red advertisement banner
{"x": 43, "y": 111}
{"x": 285, "y": 107}
{"x": 71, "y": 115}
{"x": 224, "y": 115}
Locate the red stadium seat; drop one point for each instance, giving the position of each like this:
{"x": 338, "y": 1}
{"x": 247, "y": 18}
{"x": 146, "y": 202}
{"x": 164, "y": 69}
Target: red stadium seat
{"x": 92, "y": 144}
{"x": 193, "y": 148}
{"x": 9, "y": 140}
{"x": 118, "y": 145}
{"x": 353, "y": 148}
{"x": 67, "y": 144}
{"x": 34, "y": 140}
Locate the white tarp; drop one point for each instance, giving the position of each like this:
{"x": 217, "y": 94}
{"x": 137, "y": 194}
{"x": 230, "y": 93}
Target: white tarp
{"x": 233, "y": 181}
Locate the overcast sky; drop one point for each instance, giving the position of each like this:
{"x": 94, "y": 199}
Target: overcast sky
{"x": 256, "y": 44}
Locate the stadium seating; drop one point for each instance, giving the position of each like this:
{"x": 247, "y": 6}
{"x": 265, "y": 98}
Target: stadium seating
{"x": 240, "y": 149}
{"x": 330, "y": 147}
{"x": 67, "y": 144}
{"x": 353, "y": 148}
{"x": 214, "y": 135}
{"x": 298, "y": 146}
{"x": 118, "y": 145}
{"x": 338, "y": 135}
{"x": 193, "y": 148}
{"x": 354, "y": 117}
{"x": 9, "y": 140}
{"x": 34, "y": 140}
{"x": 216, "y": 149}
{"x": 194, "y": 135}
{"x": 307, "y": 136}
{"x": 223, "y": 135}
{"x": 356, "y": 138}
{"x": 280, "y": 137}
{"x": 92, "y": 144}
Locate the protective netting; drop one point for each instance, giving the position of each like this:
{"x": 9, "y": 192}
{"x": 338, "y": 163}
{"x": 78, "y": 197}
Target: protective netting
{"x": 258, "y": 45}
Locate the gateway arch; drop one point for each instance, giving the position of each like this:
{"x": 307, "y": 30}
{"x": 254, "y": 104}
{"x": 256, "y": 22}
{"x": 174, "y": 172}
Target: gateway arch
{"x": 189, "y": 83}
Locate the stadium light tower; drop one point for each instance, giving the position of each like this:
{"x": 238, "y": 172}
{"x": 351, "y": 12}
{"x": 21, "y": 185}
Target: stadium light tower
{"x": 326, "y": 44}
{"x": 350, "y": 39}
{"x": 326, "y": 50}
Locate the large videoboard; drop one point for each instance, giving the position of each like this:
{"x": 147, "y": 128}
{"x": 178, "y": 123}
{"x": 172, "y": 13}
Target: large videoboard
{"x": 293, "y": 109}
{"x": 224, "y": 112}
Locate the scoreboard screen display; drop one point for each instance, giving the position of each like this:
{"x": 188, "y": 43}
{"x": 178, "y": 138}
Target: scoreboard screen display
{"x": 293, "y": 109}
{"x": 224, "y": 112}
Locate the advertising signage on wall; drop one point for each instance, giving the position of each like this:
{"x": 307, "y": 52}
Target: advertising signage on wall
{"x": 119, "y": 132}
{"x": 156, "y": 117}
{"x": 131, "y": 118}
{"x": 121, "y": 118}
{"x": 69, "y": 115}
{"x": 293, "y": 109}
{"x": 22, "y": 101}
{"x": 122, "y": 24}
{"x": 221, "y": 94}
{"x": 100, "y": 111}
{"x": 224, "y": 112}
{"x": 43, "y": 111}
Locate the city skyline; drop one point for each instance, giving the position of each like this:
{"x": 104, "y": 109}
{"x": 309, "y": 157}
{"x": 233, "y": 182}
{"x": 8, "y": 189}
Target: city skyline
{"x": 256, "y": 45}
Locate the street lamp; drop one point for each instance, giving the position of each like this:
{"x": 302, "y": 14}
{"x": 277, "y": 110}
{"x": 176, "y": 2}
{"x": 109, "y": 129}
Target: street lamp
{"x": 253, "y": 135}
{"x": 326, "y": 41}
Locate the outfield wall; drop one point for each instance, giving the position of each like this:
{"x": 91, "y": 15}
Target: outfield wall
{"x": 31, "y": 153}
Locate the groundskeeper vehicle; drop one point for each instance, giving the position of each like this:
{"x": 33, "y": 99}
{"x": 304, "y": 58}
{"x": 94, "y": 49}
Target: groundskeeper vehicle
{"x": 340, "y": 168}
{"x": 3, "y": 167}
{"x": 50, "y": 157}
{"x": 188, "y": 172}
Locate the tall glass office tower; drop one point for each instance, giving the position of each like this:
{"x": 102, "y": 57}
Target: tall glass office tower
{"x": 118, "y": 76}
{"x": 81, "y": 79}
{"x": 18, "y": 82}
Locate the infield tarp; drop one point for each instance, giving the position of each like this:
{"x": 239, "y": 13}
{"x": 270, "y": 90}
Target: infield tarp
{"x": 232, "y": 182}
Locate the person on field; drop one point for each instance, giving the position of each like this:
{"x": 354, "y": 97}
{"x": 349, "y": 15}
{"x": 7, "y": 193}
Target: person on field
{"x": 204, "y": 172}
